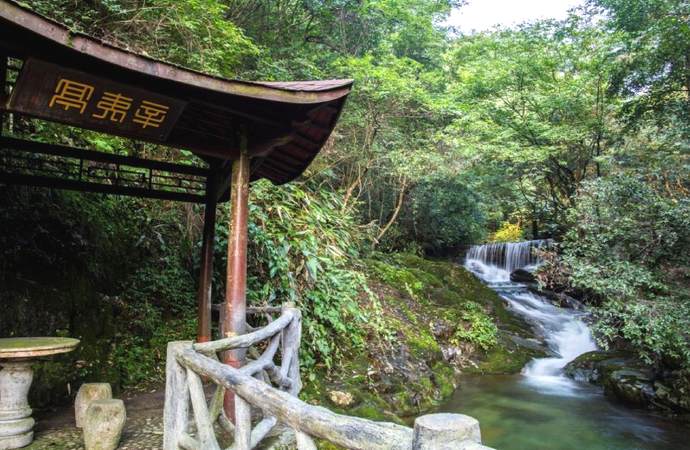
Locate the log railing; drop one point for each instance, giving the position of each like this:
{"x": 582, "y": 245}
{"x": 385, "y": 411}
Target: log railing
{"x": 270, "y": 389}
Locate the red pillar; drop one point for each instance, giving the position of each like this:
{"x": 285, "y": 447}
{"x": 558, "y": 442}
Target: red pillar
{"x": 236, "y": 287}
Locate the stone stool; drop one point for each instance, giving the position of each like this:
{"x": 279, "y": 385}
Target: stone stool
{"x": 103, "y": 424}
{"x": 447, "y": 432}
{"x": 88, "y": 392}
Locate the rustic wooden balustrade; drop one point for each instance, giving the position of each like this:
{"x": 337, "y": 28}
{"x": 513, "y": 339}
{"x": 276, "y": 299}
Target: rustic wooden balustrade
{"x": 272, "y": 389}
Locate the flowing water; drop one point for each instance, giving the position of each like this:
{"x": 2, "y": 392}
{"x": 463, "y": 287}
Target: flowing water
{"x": 541, "y": 409}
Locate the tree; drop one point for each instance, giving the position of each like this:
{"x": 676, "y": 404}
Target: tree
{"x": 628, "y": 250}
{"x": 653, "y": 60}
{"x": 534, "y": 106}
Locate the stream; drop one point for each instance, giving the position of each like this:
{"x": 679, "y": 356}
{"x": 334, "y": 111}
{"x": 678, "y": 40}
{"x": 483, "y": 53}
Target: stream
{"x": 540, "y": 408}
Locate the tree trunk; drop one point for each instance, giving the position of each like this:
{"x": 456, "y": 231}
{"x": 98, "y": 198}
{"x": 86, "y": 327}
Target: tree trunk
{"x": 396, "y": 211}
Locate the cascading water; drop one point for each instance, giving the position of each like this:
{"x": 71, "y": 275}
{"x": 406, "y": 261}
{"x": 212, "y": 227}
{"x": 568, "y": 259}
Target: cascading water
{"x": 541, "y": 409}
{"x": 564, "y": 331}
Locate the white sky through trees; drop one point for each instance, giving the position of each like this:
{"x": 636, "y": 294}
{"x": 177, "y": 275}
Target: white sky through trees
{"x": 481, "y": 15}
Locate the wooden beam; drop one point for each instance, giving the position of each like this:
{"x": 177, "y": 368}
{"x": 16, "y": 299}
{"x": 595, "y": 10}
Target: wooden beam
{"x": 206, "y": 269}
{"x": 71, "y": 152}
{"x": 84, "y": 186}
{"x": 236, "y": 285}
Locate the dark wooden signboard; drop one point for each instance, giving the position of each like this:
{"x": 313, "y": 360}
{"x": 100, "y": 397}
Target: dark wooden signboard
{"x": 68, "y": 96}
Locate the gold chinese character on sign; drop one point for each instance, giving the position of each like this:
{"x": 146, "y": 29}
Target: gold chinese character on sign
{"x": 71, "y": 94}
{"x": 150, "y": 114}
{"x": 114, "y": 106}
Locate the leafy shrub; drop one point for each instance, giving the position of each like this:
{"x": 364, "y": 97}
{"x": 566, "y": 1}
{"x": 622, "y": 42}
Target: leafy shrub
{"x": 623, "y": 235}
{"x": 303, "y": 248}
{"x": 624, "y": 241}
{"x": 508, "y": 232}
{"x": 479, "y": 328}
{"x": 657, "y": 329}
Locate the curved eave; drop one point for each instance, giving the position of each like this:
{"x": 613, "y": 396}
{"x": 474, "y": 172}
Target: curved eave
{"x": 287, "y": 122}
{"x": 299, "y": 92}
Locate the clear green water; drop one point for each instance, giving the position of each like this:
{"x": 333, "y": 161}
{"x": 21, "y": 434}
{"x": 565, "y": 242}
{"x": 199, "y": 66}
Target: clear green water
{"x": 516, "y": 415}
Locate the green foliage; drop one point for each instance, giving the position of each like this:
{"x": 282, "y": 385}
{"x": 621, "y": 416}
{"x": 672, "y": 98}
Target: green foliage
{"x": 111, "y": 271}
{"x": 479, "y": 330}
{"x": 139, "y": 352}
{"x": 303, "y": 248}
{"x": 508, "y": 232}
{"x": 629, "y": 247}
{"x": 624, "y": 236}
{"x": 657, "y": 330}
{"x": 192, "y": 33}
{"x": 534, "y": 115}
{"x": 444, "y": 213}
{"x": 653, "y": 70}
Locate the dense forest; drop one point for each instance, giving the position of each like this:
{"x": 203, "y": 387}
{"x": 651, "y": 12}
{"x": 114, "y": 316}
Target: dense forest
{"x": 575, "y": 130}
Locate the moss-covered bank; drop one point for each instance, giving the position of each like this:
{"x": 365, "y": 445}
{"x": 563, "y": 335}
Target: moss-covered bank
{"x": 441, "y": 321}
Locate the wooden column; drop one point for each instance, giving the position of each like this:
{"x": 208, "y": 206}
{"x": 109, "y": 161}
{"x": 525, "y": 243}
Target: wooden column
{"x": 203, "y": 295}
{"x": 236, "y": 287}
{"x": 3, "y": 89}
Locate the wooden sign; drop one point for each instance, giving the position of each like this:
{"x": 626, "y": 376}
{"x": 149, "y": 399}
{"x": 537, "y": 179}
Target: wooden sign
{"x": 52, "y": 92}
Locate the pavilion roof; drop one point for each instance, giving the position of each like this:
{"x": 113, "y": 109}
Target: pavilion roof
{"x": 286, "y": 123}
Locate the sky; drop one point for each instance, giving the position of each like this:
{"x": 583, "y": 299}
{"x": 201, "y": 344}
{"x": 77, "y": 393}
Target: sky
{"x": 480, "y": 15}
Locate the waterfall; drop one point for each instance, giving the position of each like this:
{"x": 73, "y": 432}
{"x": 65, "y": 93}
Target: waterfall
{"x": 563, "y": 330}
{"x": 508, "y": 255}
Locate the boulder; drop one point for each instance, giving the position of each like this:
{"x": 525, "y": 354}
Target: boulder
{"x": 673, "y": 394}
{"x": 103, "y": 424}
{"x": 631, "y": 386}
{"x": 557, "y": 298}
{"x": 589, "y": 367}
{"x": 627, "y": 379}
{"x": 88, "y": 392}
{"x": 522, "y": 276}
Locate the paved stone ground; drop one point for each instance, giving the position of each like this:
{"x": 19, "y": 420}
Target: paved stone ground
{"x": 143, "y": 429}
{"x": 145, "y": 433}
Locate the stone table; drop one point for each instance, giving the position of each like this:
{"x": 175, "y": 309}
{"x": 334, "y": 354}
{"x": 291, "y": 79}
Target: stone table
{"x": 16, "y": 357}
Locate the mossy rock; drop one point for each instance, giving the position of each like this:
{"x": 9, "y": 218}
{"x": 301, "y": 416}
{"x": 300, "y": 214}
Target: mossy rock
{"x": 507, "y": 357}
{"x": 629, "y": 380}
{"x": 444, "y": 379}
{"x": 595, "y": 366}
{"x": 423, "y": 345}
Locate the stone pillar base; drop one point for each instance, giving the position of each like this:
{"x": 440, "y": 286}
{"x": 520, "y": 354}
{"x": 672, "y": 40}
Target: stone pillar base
{"x": 16, "y": 423}
{"x": 16, "y": 441}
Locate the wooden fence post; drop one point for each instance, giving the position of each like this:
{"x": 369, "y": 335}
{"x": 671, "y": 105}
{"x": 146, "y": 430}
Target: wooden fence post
{"x": 176, "y": 409}
{"x": 446, "y": 432}
{"x": 243, "y": 424}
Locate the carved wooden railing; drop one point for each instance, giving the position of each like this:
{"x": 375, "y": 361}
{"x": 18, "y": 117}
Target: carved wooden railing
{"x": 271, "y": 389}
